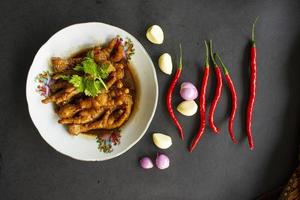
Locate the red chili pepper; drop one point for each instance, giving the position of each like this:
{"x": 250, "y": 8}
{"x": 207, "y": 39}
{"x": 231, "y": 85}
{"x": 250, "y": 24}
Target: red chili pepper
{"x": 169, "y": 96}
{"x": 217, "y": 92}
{"x": 202, "y": 102}
{"x": 233, "y": 99}
{"x": 252, "y": 90}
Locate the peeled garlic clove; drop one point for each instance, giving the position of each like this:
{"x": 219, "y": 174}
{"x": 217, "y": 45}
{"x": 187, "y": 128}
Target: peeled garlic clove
{"x": 155, "y": 34}
{"x": 165, "y": 63}
{"x": 161, "y": 140}
{"x": 187, "y": 108}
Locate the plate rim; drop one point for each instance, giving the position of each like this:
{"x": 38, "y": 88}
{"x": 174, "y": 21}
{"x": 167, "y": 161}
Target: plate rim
{"x": 155, "y": 83}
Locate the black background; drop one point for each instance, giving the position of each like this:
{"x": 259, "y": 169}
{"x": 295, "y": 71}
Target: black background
{"x": 31, "y": 169}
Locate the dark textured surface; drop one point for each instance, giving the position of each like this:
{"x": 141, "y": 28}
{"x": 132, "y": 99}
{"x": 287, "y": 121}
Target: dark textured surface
{"x": 30, "y": 169}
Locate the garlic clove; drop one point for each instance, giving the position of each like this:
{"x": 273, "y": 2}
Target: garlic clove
{"x": 162, "y": 141}
{"x": 165, "y": 63}
{"x": 155, "y": 34}
{"x": 187, "y": 108}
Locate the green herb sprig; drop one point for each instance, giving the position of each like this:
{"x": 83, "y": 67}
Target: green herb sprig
{"x": 91, "y": 83}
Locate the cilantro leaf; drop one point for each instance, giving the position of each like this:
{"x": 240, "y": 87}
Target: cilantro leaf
{"x": 78, "y": 82}
{"x": 103, "y": 71}
{"x": 65, "y": 77}
{"x": 91, "y": 83}
{"x": 89, "y": 66}
{"x": 78, "y": 68}
{"x": 99, "y": 85}
{"x": 101, "y": 82}
{"x": 90, "y": 54}
{"x": 91, "y": 88}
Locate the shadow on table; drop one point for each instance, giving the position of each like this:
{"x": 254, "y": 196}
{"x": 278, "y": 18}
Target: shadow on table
{"x": 30, "y": 41}
{"x": 23, "y": 62}
{"x": 291, "y": 124}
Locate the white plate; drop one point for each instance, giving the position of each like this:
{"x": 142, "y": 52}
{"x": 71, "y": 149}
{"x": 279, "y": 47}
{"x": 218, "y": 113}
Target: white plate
{"x": 63, "y": 44}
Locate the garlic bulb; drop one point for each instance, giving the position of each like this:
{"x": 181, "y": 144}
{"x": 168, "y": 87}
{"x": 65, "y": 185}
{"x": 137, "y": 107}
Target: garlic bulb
{"x": 155, "y": 34}
{"x": 165, "y": 63}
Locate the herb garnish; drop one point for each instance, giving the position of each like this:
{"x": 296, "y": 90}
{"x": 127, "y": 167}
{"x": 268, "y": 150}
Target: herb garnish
{"x": 91, "y": 83}
{"x": 128, "y": 47}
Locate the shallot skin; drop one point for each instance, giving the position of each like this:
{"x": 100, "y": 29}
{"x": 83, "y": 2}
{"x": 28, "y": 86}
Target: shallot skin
{"x": 188, "y": 91}
{"x": 162, "y": 161}
{"x": 146, "y": 163}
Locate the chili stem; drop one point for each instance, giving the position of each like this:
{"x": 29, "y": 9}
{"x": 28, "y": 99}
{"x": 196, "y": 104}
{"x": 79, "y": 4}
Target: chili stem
{"x": 222, "y": 64}
{"x": 206, "y": 54}
{"x": 211, "y": 53}
{"x": 180, "y": 57}
{"x": 253, "y": 31}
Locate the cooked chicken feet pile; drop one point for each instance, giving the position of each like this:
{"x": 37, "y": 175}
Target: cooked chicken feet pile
{"x": 108, "y": 110}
